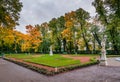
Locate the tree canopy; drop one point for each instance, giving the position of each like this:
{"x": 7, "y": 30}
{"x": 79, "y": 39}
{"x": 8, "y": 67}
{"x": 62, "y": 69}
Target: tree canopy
{"x": 9, "y": 13}
{"x": 70, "y": 33}
{"x": 108, "y": 12}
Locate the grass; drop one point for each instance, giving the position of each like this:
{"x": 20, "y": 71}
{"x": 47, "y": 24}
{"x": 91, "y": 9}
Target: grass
{"x": 19, "y": 56}
{"x": 95, "y": 55}
{"x": 88, "y": 55}
{"x": 113, "y": 56}
{"x": 53, "y": 61}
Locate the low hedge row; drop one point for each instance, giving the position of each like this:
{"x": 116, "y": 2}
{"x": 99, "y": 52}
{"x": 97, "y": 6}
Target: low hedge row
{"x": 50, "y": 73}
{"x": 78, "y": 66}
{"x": 40, "y": 70}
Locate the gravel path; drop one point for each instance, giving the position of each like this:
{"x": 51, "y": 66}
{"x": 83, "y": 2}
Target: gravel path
{"x": 10, "y": 72}
{"x": 113, "y": 62}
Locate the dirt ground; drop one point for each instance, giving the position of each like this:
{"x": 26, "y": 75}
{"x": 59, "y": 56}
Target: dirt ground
{"x": 36, "y": 65}
{"x": 10, "y": 72}
{"x": 82, "y": 59}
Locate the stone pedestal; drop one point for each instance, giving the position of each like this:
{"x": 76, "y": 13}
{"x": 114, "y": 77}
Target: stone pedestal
{"x": 103, "y": 59}
{"x": 103, "y": 63}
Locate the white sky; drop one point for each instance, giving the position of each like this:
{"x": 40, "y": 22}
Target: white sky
{"x": 39, "y": 11}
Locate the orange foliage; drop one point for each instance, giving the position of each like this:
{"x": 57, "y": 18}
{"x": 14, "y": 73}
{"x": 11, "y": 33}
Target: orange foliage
{"x": 32, "y": 39}
{"x": 67, "y": 34}
{"x": 69, "y": 23}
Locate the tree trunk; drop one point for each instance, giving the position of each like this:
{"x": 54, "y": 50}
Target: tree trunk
{"x": 85, "y": 40}
{"x": 97, "y": 39}
{"x": 94, "y": 48}
{"x": 86, "y": 43}
{"x": 59, "y": 44}
{"x": 64, "y": 44}
{"x": 70, "y": 48}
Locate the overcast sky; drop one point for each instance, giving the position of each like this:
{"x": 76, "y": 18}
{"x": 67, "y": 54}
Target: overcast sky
{"x": 39, "y": 11}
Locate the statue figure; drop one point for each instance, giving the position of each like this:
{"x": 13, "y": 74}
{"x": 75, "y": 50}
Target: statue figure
{"x": 103, "y": 59}
{"x": 51, "y": 52}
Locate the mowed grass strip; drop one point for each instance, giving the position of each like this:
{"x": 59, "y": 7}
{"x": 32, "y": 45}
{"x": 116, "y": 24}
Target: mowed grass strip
{"x": 19, "y": 56}
{"x": 85, "y": 55}
{"x": 53, "y": 61}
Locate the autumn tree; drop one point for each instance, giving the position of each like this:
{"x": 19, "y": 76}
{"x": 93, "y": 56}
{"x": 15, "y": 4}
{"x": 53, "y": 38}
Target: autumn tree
{"x": 18, "y": 40}
{"x": 68, "y": 32}
{"x": 82, "y": 17}
{"x": 32, "y": 39}
{"x": 9, "y": 16}
{"x": 7, "y": 39}
{"x": 9, "y": 12}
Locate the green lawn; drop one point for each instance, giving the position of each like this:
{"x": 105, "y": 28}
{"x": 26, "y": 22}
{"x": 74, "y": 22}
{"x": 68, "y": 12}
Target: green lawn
{"x": 113, "y": 56}
{"x": 19, "y": 56}
{"x": 88, "y": 55}
{"x": 53, "y": 61}
{"x": 95, "y": 55}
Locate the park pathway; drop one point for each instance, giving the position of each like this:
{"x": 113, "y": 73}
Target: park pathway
{"x": 10, "y": 72}
{"x": 113, "y": 62}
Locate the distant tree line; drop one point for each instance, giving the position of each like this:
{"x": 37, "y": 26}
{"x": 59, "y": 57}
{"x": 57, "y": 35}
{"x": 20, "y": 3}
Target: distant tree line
{"x": 75, "y": 32}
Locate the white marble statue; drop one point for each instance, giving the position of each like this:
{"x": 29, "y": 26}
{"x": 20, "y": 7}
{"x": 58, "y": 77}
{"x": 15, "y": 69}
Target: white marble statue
{"x": 103, "y": 59}
{"x": 51, "y": 52}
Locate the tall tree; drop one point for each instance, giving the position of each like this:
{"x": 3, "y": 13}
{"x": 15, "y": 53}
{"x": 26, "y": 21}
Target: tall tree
{"x": 57, "y": 26}
{"x": 109, "y": 15}
{"x": 68, "y": 32}
{"x": 32, "y": 39}
{"x": 44, "y": 28}
{"x": 95, "y": 28}
{"x": 61, "y": 27}
{"x": 6, "y": 38}
{"x": 9, "y": 12}
{"x": 82, "y": 16}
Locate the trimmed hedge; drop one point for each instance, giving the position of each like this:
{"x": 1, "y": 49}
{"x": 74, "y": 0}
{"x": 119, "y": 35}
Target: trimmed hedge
{"x": 78, "y": 66}
{"x": 40, "y": 70}
{"x": 57, "y": 71}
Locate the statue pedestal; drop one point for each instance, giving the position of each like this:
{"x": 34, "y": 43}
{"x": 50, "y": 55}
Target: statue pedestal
{"x": 51, "y": 53}
{"x": 103, "y": 59}
{"x": 103, "y": 63}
